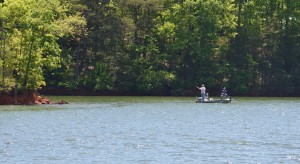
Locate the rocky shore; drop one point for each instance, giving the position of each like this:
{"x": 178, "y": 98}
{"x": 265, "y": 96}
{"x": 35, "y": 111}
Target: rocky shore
{"x": 26, "y": 99}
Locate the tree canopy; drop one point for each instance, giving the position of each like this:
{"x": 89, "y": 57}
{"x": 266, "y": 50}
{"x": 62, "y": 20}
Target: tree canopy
{"x": 161, "y": 47}
{"x": 29, "y": 33}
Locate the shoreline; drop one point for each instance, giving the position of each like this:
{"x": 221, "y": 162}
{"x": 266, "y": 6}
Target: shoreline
{"x": 26, "y": 99}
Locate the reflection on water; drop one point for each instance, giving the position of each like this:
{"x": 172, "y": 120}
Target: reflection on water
{"x": 151, "y": 130}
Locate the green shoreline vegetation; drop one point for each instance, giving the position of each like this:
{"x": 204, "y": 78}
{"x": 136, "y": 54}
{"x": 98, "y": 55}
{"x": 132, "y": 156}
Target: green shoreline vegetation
{"x": 151, "y": 47}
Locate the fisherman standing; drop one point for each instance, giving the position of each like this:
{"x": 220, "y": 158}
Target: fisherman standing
{"x": 202, "y": 89}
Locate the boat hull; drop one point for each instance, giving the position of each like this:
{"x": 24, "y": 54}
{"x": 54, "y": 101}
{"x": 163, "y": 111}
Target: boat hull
{"x": 225, "y": 101}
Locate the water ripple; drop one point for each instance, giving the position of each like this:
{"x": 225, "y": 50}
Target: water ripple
{"x": 171, "y": 130}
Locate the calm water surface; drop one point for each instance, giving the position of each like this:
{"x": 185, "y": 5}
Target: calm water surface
{"x": 152, "y": 130}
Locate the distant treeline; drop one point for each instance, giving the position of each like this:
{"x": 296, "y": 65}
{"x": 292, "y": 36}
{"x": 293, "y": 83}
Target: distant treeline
{"x": 160, "y": 47}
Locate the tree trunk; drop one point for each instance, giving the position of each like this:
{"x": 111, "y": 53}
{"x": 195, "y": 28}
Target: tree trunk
{"x": 78, "y": 58}
{"x": 28, "y": 66}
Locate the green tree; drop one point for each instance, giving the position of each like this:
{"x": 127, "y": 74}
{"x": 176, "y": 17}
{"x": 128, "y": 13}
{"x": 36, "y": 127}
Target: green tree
{"x": 100, "y": 47}
{"x": 144, "y": 71}
{"x": 31, "y": 39}
{"x": 283, "y": 21}
{"x": 264, "y": 51}
{"x": 243, "y": 56}
{"x": 194, "y": 36}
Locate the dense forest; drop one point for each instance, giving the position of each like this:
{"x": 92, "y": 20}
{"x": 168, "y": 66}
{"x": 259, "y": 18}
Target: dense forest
{"x": 150, "y": 47}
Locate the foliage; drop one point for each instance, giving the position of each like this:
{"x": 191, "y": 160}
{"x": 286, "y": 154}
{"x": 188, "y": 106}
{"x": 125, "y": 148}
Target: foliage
{"x": 250, "y": 46}
{"x": 194, "y": 35}
{"x": 31, "y": 30}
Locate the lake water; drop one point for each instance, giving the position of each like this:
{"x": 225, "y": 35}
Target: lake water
{"x": 152, "y": 130}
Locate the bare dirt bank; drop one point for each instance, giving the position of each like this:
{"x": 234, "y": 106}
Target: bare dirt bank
{"x": 26, "y": 99}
